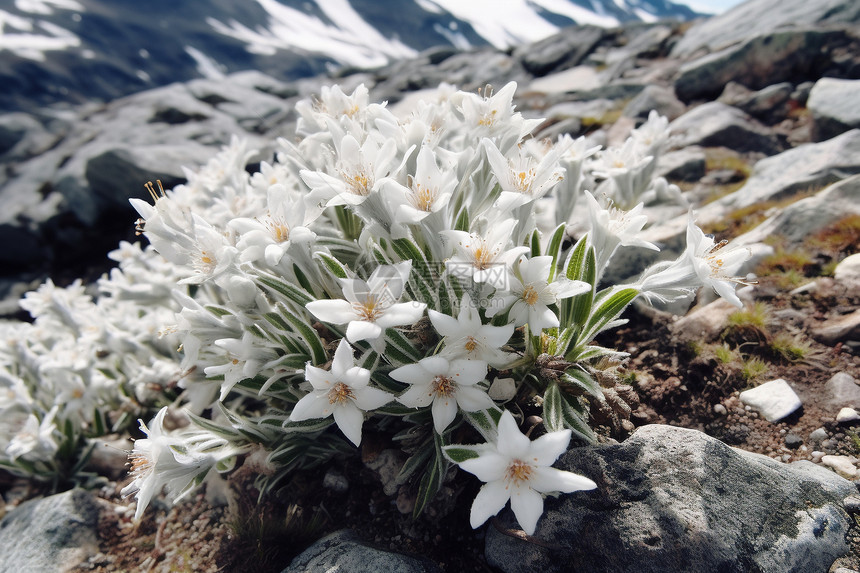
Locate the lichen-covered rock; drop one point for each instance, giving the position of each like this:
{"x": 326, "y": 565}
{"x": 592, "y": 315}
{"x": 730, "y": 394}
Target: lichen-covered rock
{"x": 54, "y": 533}
{"x": 716, "y": 124}
{"x": 673, "y": 499}
{"x": 763, "y": 60}
{"x": 343, "y": 551}
{"x": 833, "y": 105}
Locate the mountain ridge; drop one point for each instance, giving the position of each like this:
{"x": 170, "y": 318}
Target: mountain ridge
{"x": 72, "y": 51}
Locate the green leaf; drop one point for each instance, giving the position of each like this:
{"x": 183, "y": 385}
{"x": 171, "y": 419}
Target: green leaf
{"x": 581, "y": 380}
{"x": 462, "y": 222}
{"x": 217, "y": 310}
{"x": 333, "y": 265}
{"x": 608, "y": 311}
{"x": 460, "y": 453}
{"x": 308, "y": 335}
{"x": 431, "y": 482}
{"x": 290, "y": 292}
{"x": 416, "y": 461}
{"x": 307, "y": 426}
{"x": 486, "y": 422}
{"x": 396, "y": 338}
{"x": 535, "y": 243}
{"x": 302, "y": 278}
{"x": 553, "y": 249}
{"x": 562, "y": 411}
{"x": 210, "y": 426}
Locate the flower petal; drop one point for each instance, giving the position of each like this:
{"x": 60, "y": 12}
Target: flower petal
{"x": 336, "y": 311}
{"x": 489, "y": 501}
{"x": 371, "y": 398}
{"x": 418, "y": 396}
{"x": 313, "y": 405}
{"x": 489, "y": 466}
{"x": 546, "y": 449}
{"x": 512, "y": 442}
{"x": 349, "y": 419}
{"x": 471, "y": 399}
{"x": 546, "y": 480}
{"x": 343, "y": 360}
{"x": 361, "y": 330}
{"x": 444, "y": 411}
{"x": 528, "y": 507}
{"x": 401, "y": 314}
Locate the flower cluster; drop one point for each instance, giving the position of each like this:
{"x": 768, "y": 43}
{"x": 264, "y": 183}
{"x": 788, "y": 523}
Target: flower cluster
{"x": 410, "y": 272}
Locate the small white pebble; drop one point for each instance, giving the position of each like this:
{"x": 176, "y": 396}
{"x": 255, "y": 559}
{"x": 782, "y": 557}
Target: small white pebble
{"x": 847, "y": 415}
{"x": 720, "y": 410}
{"x": 774, "y": 399}
{"x": 842, "y": 464}
{"x": 816, "y": 456}
{"x": 818, "y": 435}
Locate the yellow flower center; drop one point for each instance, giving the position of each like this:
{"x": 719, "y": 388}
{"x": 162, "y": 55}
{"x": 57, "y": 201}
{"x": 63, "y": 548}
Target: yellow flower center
{"x": 424, "y": 197}
{"x": 444, "y": 386}
{"x": 140, "y": 464}
{"x": 471, "y": 344}
{"x": 519, "y": 472}
{"x": 279, "y": 229}
{"x": 359, "y": 182}
{"x": 340, "y": 393}
{"x": 369, "y": 310}
{"x": 482, "y": 256}
{"x": 488, "y": 118}
{"x": 530, "y": 295}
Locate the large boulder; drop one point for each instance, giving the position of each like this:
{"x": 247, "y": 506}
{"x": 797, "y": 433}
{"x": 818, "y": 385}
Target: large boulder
{"x": 673, "y": 499}
{"x": 344, "y": 551}
{"x": 561, "y": 51}
{"x": 833, "y": 104}
{"x": 756, "y": 17}
{"x": 784, "y": 55}
{"x": 54, "y": 533}
{"x": 716, "y": 124}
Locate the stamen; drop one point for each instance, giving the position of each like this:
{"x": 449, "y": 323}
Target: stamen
{"x": 156, "y": 195}
{"x": 443, "y": 386}
{"x": 519, "y": 472}
{"x": 530, "y": 295}
{"x": 340, "y": 393}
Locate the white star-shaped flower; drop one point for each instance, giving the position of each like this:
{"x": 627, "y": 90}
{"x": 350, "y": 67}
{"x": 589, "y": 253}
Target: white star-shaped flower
{"x": 447, "y": 385}
{"x": 530, "y": 294}
{"x": 371, "y": 307}
{"x": 518, "y": 470}
{"x": 342, "y": 392}
{"x": 466, "y": 337}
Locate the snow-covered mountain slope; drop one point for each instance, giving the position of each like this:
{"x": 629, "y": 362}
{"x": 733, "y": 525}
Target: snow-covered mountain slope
{"x": 74, "y": 50}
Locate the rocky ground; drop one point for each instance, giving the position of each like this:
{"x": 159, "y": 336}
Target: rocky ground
{"x": 766, "y": 147}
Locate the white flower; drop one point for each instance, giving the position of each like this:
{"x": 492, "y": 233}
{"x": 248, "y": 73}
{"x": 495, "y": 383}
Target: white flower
{"x": 342, "y": 392}
{"x": 523, "y": 178}
{"x": 446, "y": 385}
{"x": 703, "y": 263}
{"x": 614, "y": 227}
{"x": 428, "y": 192}
{"x": 269, "y": 237}
{"x": 466, "y": 337}
{"x": 245, "y": 359}
{"x": 370, "y": 307}
{"x": 530, "y": 294}
{"x": 35, "y": 440}
{"x": 359, "y": 167}
{"x": 483, "y": 259}
{"x": 517, "y": 469}
{"x": 162, "y": 460}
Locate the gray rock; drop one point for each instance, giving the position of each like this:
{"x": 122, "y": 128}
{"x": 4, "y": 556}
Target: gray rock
{"x": 561, "y": 51}
{"x": 841, "y": 390}
{"x": 687, "y": 164}
{"x": 673, "y": 499}
{"x": 658, "y": 98}
{"x": 715, "y": 124}
{"x": 833, "y": 104}
{"x": 757, "y": 17}
{"x": 769, "y": 104}
{"x": 344, "y": 552}
{"x": 848, "y": 269}
{"x": 796, "y": 222}
{"x": 759, "y": 62}
{"x": 55, "y": 533}
{"x": 840, "y": 328}
{"x": 706, "y": 323}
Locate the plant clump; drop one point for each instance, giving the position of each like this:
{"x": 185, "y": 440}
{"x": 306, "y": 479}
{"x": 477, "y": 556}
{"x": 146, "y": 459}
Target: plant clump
{"x": 430, "y": 278}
